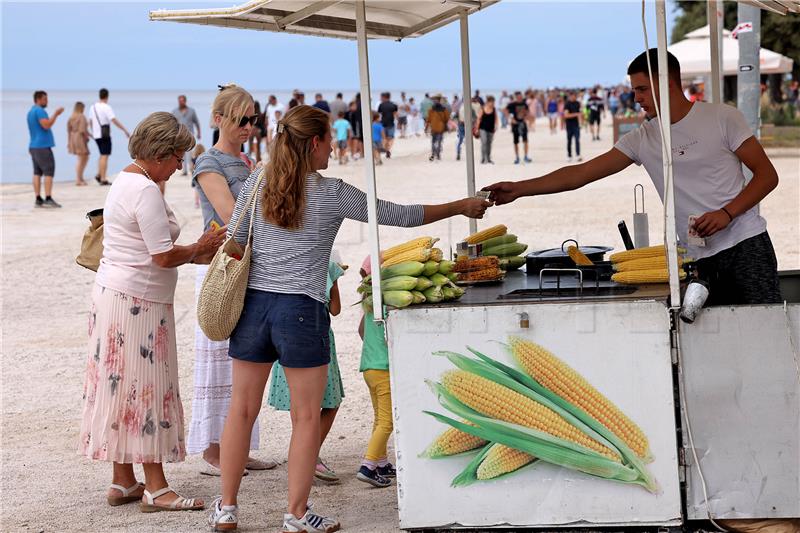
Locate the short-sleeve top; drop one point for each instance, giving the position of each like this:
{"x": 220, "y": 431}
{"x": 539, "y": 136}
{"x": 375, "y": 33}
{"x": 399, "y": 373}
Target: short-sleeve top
{"x": 40, "y": 137}
{"x": 137, "y": 224}
{"x": 232, "y": 168}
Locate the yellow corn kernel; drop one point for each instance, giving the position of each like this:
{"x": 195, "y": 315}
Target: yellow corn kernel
{"x": 502, "y": 403}
{"x": 647, "y": 263}
{"x": 638, "y": 277}
{"x": 453, "y": 441}
{"x": 640, "y": 253}
{"x": 578, "y": 257}
{"x": 488, "y": 233}
{"x": 501, "y": 460}
{"x": 553, "y": 373}
{"x": 420, "y": 254}
{"x": 421, "y": 242}
{"x": 437, "y": 254}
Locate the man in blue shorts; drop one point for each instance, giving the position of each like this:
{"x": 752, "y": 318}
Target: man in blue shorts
{"x": 41, "y": 148}
{"x": 388, "y": 111}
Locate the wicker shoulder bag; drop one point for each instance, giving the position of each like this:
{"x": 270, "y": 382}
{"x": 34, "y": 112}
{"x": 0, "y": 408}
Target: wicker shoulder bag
{"x": 222, "y": 294}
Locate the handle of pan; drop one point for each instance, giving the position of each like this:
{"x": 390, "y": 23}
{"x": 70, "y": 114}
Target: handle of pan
{"x": 569, "y": 240}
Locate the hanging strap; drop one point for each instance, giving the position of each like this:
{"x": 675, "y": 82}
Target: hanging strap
{"x": 251, "y": 204}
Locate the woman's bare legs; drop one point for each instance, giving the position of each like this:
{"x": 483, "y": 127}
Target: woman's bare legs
{"x": 80, "y": 166}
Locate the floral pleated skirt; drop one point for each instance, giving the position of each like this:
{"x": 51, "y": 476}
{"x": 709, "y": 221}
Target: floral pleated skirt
{"x": 132, "y": 411}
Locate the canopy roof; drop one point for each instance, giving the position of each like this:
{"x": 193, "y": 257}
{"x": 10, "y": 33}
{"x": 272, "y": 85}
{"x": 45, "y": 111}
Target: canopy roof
{"x": 386, "y": 19}
{"x": 695, "y": 60}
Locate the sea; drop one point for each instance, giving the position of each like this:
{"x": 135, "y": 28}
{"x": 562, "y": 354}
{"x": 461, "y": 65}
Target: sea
{"x": 130, "y": 108}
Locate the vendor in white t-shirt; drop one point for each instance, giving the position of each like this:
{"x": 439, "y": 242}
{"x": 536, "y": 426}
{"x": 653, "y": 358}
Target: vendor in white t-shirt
{"x": 709, "y": 144}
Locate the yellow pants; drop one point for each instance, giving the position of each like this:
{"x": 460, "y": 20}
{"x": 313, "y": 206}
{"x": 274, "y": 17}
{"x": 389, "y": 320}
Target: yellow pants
{"x": 381, "y": 394}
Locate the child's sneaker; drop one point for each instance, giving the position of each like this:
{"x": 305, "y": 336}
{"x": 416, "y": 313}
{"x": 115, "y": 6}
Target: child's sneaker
{"x": 324, "y": 473}
{"x": 310, "y": 523}
{"x": 223, "y": 517}
{"x": 387, "y": 471}
{"x": 372, "y": 477}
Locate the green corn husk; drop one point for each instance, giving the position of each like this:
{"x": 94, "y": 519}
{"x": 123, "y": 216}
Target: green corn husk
{"x": 546, "y": 447}
{"x": 445, "y": 267}
{"x": 419, "y": 298}
{"x": 408, "y": 268}
{"x": 575, "y": 412}
{"x": 508, "y": 238}
{"x": 469, "y": 475}
{"x": 459, "y": 291}
{"x": 439, "y": 280}
{"x": 448, "y": 293}
{"x": 512, "y": 263}
{"x": 398, "y": 283}
{"x": 453, "y": 276}
{"x": 398, "y": 299}
{"x": 431, "y": 268}
{"x": 423, "y": 283}
{"x": 433, "y": 294}
{"x": 505, "y": 250}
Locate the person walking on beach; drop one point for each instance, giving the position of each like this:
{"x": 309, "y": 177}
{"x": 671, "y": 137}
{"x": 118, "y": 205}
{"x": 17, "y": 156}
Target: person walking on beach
{"x": 40, "y": 127}
{"x": 424, "y": 107}
{"x": 487, "y": 126}
{"x": 552, "y": 113}
{"x": 219, "y": 176}
{"x": 343, "y": 134}
{"x": 403, "y": 110}
{"x": 517, "y": 112}
{"x": 78, "y": 141}
{"x": 596, "y": 108}
{"x": 188, "y": 117}
{"x": 388, "y": 111}
{"x": 296, "y": 216}
{"x": 438, "y": 117}
{"x": 474, "y": 108}
{"x": 338, "y": 105}
{"x": 378, "y": 137}
{"x": 502, "y": 104}
{"x": 101, "y": 116}
{"x": 572, "y": 119}
{"x": 413, "y": 118}
{"x": 321, "y": 104}
{"x": 132, "y": 411}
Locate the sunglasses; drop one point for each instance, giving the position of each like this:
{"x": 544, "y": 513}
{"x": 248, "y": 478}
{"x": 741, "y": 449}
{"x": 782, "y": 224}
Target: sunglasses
{"x": 251, "y": 119}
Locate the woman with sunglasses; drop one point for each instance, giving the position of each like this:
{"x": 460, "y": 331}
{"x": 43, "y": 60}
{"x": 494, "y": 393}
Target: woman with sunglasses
{"x": 219, "y": 175}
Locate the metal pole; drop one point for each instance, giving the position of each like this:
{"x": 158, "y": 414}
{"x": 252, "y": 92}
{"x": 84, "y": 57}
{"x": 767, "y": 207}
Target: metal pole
{"x": 467, "y": 98}
{"x": 369, "y": 160}
{"x": 714, "y": 16}
{"x": 748, "y": 84}
{"x": 670, "y": 237}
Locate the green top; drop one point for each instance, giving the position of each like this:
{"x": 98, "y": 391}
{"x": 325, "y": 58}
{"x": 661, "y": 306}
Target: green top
{"x": 374, "y": 352}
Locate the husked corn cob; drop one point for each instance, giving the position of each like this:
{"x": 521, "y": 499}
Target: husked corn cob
{"x": 482, "y": 275}
{"x": 500, "y": 460}
{"x": 647, "y": 263}
{"x": 437, "y": 254}
{"x": 502, "y": 403}
{"x": 488, "y": 233}
{"x": 578, "y": 257}
{"x": 479, "y": 263}
{"x": 453, "y": 441}
{"x": 421, "y": 242}
{"x": 420, "y": 254}
{"x": 559, "y": 377}
{"x": 655, "y": 275}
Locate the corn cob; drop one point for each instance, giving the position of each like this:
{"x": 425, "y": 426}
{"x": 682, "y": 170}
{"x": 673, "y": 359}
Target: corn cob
{"x": 408, "y": 268}
{"x": 433, "y": 294}
{"x": 501, "y": 460}
{"x": 396, "y": 298}
{"x": 398, "y": 283}
{"x": 431, "y": 268}
{"x": 647, "y": 263}
{"x": 639, "y": 253}
{"x": 448, "y": 293}
{"x": 421, "y": 242}
{"x": 488, "y": 233}
{"x": 482, "y": 275}
{"x": 578, "y": 257}
{"x": 445, "y": 267}
{"x": 656, "y": 275}
{"x": 502, "y": 239}
{"x": 451, "y": 442}
{"x": 421, "y": 254}
{"x": 423, "y": 283}
{"x": 419, "y": 298}
{"x": 556, "y": 375}
{"x": 439, "y": 280}
{"x": 512, "y": 263}
{"x": 502, "y": 403}
{"x": 437, "y": 254}
{"x": 453, "y": 276}
{"x": 479, "y": 263}
{"x": 505, "y": 250}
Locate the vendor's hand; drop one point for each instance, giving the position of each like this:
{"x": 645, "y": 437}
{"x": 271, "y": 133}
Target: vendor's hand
{"x": 503, "y": 192}
{"x": 210, "y": 241}
{"x": 474, "y": 207}
{"x": 712, "y": 222}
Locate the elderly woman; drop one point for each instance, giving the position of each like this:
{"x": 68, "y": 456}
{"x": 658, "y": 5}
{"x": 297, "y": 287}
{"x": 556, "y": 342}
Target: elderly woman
{"x": 132, "y": 404}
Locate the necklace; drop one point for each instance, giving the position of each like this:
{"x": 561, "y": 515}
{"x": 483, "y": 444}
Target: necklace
{"x": 140, "y": 167}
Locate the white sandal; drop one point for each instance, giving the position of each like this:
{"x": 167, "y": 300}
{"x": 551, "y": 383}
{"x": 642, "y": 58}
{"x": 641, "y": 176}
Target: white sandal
{"x": 126, "y": 494}
{"x": 178, "y": 504}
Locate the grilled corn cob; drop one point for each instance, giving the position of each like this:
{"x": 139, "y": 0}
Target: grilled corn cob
{"x": 556, "y": 375}
{"x": 502, "y": 403}
{"x": 501, "y": 460}
{"x": 656, "y": 275}
{"x": 647, "y": 263}
{"x": 480, "y": 263}
{"x": 488, "y": 233}
{"x": 578, "y": 257}
{"x": 482, "y": 275}
{"x": 420, "y": 254}
{"x": 421, "y": 242}
{"x": 451, "y": 442}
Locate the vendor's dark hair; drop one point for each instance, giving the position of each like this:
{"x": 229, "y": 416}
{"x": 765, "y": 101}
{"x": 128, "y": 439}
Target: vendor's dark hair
{"x": 639, "y": 65}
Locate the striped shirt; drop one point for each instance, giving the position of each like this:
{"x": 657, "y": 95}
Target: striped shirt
{"x": 295, "y": 261}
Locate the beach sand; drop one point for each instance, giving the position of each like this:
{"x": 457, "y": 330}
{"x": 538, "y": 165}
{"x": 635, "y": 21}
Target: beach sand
{"x": 47, "y": 487}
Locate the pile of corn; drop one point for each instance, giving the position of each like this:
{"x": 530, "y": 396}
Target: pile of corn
{"x": 546, "y": 411}
{"x": 422, "y": 276}
{"x": 496, "y": 241}
{"x": 486, "y": 268}
{"x": 645, "y": 265}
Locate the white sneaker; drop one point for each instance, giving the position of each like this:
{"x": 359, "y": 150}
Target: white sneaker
{"x": 223, "y": 517}
{"x": 569, "y": 160}
{"x": 310, "y": 523}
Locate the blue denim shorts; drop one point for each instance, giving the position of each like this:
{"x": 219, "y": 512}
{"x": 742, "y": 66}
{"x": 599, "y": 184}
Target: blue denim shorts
{"x": 290, "y": 328}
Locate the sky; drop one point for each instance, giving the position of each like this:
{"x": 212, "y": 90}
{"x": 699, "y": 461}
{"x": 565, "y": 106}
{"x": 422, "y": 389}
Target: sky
{"x": 515, "y": 44}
